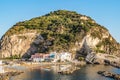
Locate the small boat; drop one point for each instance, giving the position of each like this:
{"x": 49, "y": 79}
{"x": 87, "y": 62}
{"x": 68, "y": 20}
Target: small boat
{"x": 47, "y": 69}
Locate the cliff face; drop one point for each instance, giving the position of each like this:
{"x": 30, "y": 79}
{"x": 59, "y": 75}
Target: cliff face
{"x": 58, "y": 31}
{"x": 16, "y": 44}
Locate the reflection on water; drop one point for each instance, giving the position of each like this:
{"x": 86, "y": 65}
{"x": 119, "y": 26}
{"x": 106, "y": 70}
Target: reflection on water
{"x": 88, "y": 72}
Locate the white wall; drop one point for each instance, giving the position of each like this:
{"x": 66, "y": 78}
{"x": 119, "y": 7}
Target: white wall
{"x": 1, "y": 67}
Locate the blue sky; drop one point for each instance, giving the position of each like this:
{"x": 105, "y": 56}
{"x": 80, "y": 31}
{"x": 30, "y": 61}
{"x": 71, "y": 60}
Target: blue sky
{"x": 104, "y": 12}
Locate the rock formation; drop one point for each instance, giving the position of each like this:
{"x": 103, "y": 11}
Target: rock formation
{"x": 58, "y": 31}
{"x": 109, "y": 74}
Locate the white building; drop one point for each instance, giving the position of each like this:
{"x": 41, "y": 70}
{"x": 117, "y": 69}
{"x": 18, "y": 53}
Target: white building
{"x": 65, "y": 56}
{"x": 1, "y": 67}
{"x": 0, "y": 62}
{"x": 38, "y": 59}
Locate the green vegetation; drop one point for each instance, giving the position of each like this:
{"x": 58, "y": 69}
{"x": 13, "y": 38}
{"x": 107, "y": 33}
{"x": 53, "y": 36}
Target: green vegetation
{"x": 68, "y": 21}
{"x": 62, "y": 28}
{"x": 22, "y": 37}
{"x": 81, "y": 58}
{"x": 14, "y": 57}
{"x": 96, "y": 34}
{"x": 100, "y": 51}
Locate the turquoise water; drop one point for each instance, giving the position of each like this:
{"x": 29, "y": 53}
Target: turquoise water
{"x": 88, "y": 72}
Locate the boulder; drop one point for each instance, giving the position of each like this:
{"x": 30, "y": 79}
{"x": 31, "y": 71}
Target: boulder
{"x": 109, "y": 74}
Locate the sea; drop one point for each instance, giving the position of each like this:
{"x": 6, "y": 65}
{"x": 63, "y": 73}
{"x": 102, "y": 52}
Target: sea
{"x": 87, "y": 72}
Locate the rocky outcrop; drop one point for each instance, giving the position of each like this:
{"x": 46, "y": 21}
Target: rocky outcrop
{"x": 59, "y": 31}
{"x": 99, "y": 58}
{"x": 113, "y": 63}
{"x": 7, "y": 75}
{"x": 17, "y": 44}
{"x": 109, "y": 74}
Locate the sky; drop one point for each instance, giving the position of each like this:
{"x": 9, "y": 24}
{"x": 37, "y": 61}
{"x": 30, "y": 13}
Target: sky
{"x": 104, "y": 12}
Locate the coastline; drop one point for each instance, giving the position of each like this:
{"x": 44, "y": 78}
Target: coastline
{"x": 11, "y": 66}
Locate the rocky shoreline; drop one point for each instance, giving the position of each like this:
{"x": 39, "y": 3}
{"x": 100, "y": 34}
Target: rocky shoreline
{"x": 105, "y": 59}
{"x": 7, "y": 75}
{"x": 109, "y": 74}
{"x": 29, "y": 65}
{"x": 114, "y": 64}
